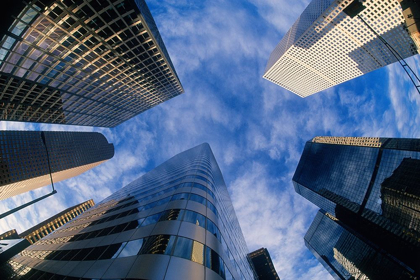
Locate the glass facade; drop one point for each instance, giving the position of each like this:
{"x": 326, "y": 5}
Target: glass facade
{"x": 347, "y": 255}
{"x": 175, "y": 222}
{"x": 82, "y": 62}
{"x": 359, "y": 181}
{"x": 28, "y": 157}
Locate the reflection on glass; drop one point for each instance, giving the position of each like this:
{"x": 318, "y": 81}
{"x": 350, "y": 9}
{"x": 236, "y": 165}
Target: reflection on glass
{"x": 198, "y": 253}
{"x": 195, "y": 218}
{"x": 183, "y": 248}
{"x": 132, "y": 248}
{"x": 119, "y": 250}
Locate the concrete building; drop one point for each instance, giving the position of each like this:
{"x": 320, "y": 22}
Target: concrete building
{"x": 328, "y": 44}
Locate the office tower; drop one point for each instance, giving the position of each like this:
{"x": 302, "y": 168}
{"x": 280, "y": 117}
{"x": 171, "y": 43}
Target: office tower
{"x": 346, "y": 255}
{"x": 263, "y": 265}
{"x": 32, "y": 159}
{"x": 44, "y": 228}
{"x": 328, "y": 44}
{"x": 10, "y": 234}
{"x": 175, "y": 222}
{"x": 82, "y": 62}
{"x": 360, "y": 182}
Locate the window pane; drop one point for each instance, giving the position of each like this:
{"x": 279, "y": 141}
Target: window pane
{"x": 151, "y": 219}
{"x": 180, "y": 196}
{"x": 198, "y": 253}
{"x": 156, "y": 244}
{"x": 197, "y": 198}
{"x": 183, "y": 248}
{"x": 195, "y": 218}
{"x": 208, "y": 257}
{"x": 132, "y": 248}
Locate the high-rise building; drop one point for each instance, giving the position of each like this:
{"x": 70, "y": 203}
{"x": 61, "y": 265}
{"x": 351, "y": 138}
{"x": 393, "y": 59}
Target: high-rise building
{"x": 81, "y": 62}
{"x": 32, "y": 159}
{"x": 175, "y": 222}
{"x": 44, "y": 228}
{"x": 263, "y": 265}
{"x": 347, "y": 255}
{"x": 328, "y": 44}
{"x": 360, "y": 182}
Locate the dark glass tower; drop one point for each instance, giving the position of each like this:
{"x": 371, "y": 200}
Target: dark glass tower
{"x": 175, "y": 222}
{"x": 347, "y": 255}
{"x": 354, "y": 179}
{"x": 27, "y": 158}
{"x": 81, "y": 62}
{"x": 263, "y": 265}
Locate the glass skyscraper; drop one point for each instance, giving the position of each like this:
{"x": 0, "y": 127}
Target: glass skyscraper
{"x": 81, "y": 62}
{"x": 360, "y": 181}
{"x": 31, "y": 159}
{"x": 175, "y": 222}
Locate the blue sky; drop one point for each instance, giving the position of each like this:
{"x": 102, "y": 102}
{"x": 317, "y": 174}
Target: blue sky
{"x": 256, "y": 129}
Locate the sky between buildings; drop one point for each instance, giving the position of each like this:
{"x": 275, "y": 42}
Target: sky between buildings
{"x": 256, "y": 129}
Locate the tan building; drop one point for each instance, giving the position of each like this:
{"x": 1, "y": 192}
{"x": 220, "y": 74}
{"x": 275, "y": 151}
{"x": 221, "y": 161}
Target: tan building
{"x": 35, "y": 233}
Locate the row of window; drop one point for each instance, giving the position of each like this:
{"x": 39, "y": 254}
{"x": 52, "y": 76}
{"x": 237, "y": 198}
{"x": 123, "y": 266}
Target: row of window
{"x": 157, "y": 244}
{"x": 193, "y": 197}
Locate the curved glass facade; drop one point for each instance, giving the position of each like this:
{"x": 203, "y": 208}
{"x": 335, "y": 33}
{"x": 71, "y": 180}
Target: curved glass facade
{"x": 175, "y": 222}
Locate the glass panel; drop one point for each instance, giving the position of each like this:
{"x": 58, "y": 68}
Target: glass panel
{"x": 198, "y": 252}
{"x": 195, "y": 218}
{"x": 208, "y": 257}
{"x": 183, "y": 248}
{"x": 132, "y": 248}
{"x": 151, "y": 219}
{"x": 119, "y": 250}
{"x": 156, "y": 245}
{"x": 180, "y": 196}
{"x": 198, "y": 199}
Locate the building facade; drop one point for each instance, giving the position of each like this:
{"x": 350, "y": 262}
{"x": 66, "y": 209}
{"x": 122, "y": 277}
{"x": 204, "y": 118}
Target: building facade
{"x": 175, "y": 222}
{"x": 32, "y": 159}
{"x": 44, "y": 228}
{"x": 326, "y": 46}
{"x": 359, "y": 181}
{"x": 263, "y": 265}
{"x": 347, "y": 255}
{"x": 93, "y": 63}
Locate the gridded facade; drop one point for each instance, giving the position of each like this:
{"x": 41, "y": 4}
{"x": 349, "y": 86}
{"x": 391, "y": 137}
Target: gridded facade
{"x": 28, "y": 157}
{"x": 347, "y": 181}
{"x": 175, "y": 222}
{"x": 326, "y": 47}
{"x": 82, "y": 62}
{"x": 347, "y": 255}
{"x": 46, "y": 227}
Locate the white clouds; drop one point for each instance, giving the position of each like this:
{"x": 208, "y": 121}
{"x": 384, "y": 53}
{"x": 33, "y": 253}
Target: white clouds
{"x": 272, "y": 216}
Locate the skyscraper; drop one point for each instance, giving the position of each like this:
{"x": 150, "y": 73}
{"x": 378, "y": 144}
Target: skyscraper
{"x": 175, "y": 222}
{"x": 354, "y": 179}
{"x": 31, "y": 159}
{"x": 263, "y": 265}
{"x": 326, "y": 46}
{"x": 44, "y": 228}
{"x": 82, "y": 62}
{"x": 347, "y": 255}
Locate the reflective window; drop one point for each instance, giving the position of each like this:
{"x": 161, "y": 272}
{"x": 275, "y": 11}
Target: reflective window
{"x": 151, "y": 219}
{"x": 180, "y": 196}
{"x": 183, "y": 248}
{"x": 195, "y": 218}
{"x": 197, "y": 198}
{"x": 197, "y": 252}
{"x": 131, "y": 248}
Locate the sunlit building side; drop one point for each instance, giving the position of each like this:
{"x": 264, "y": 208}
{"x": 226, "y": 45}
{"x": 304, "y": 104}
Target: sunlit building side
{"x": 327, "y": 46}
{"x": 82, "y": 62}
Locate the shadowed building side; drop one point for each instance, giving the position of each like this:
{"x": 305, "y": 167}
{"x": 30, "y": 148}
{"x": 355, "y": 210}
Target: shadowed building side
{"x": 27, "y": 158}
